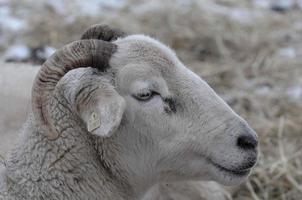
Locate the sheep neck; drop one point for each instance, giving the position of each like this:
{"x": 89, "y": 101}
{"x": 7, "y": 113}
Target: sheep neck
{"x": 66, "y": 168}
{"x": 76, "y": 165}
{"x": 114, "y": 152}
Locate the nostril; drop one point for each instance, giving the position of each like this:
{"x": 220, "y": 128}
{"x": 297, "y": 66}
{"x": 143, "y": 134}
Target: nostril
{"x": 247, "y": 141}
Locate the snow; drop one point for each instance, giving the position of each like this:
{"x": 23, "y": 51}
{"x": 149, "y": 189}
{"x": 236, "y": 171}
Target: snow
{"x": 7, "y": 21}
{"x": 62, "y": 7}
{"x": 17, "y": 52}
{"x": 282, "y": 4}
{"x": 145, "y": 7}
{"x": 15, "y": 90}
{"x": 287, "y": 52}
{"x": 245, "y": 16}
{"x": 242, "y": 15}
{"x": 94, "y": 7}
{"x": 295, "y": 92}
{"x": 285, "y": 4}
{"x": 45, "y": 52}
{"x": 263, "y": 90}
{"x": 262, "y": 3}
{"x": 21, "y": 52}
{"x": 2, "y": 2}
{"x": 299, "y": 3}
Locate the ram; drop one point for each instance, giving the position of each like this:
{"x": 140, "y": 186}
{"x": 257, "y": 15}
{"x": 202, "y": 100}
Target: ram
{"x": 138, "y": 117}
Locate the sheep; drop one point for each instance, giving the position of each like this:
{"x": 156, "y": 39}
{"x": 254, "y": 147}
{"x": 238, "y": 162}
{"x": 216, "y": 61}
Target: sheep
{"x": 136, "y": 118}
{"x": 15, "y": 103}
{"x": 187, "y": 190}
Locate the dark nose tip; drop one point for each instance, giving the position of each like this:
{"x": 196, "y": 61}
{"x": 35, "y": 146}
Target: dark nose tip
{"x": 247, "y": 141}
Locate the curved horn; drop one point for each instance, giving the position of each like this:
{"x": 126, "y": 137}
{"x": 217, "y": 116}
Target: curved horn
{"x": 84, "y": 53}
{"x": 103, "y": 32}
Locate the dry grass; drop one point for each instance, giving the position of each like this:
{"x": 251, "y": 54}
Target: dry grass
{"x": 240, "y": 60}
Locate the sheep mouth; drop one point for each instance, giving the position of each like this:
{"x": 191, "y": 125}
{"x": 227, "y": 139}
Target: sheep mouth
{"x": 236, "y": 172}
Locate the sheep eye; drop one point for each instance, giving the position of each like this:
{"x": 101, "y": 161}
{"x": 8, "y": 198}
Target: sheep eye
{"x": 144, "y": 96}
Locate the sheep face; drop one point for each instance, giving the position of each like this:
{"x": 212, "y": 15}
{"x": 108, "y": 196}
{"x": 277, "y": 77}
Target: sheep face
{"x": 155, "y": 120}
{"x": 174, "y": 126}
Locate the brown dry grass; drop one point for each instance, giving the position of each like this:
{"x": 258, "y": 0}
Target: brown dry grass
{"x": 241, "y": 62}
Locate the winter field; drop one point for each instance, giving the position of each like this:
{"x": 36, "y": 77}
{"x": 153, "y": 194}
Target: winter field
{"x": 250, "y": 52}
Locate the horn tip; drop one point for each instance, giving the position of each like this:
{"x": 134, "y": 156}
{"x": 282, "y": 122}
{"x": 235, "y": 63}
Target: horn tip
{"x": 102, "y": 32}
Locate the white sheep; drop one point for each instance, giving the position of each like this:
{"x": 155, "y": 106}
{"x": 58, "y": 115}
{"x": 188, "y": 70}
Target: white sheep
{"x": 15, "y": 104}
{"x": 142, "y": 118}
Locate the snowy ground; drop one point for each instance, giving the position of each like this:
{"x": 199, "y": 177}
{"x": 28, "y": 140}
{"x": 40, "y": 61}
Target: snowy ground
{"x": 15, "y": 89}
{"x": 26, "y": 25}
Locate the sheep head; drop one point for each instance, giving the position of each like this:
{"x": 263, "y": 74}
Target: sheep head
{"x": 194, "y": 133}
{"x": 154, "y": 118}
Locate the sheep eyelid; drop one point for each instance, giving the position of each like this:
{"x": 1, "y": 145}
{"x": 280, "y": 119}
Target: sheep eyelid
{"x": 152, "y": 94}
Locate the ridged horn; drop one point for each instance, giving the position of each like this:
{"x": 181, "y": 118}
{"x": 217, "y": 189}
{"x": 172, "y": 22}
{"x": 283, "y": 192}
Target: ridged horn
{"x": 83, "y": 53}
{"x": 103, "y": 32}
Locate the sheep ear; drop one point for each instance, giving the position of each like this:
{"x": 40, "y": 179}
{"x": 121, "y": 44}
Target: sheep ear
{"x": 104, "y": 112}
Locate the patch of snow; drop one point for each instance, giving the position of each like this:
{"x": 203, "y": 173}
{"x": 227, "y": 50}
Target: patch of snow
{"x": 9, "y": 22}
{"x": 263, "y": 90}
{"x": 212, "y": 7}
{"x": 18, "y": 52}
{"x": 298, "y": 25}
{"x": 279, "y": 5}
{"x": 295, "y": 92}
{"x": 287, "y": 52}
{"x": 12, "y": 23}
{"x": 70, "y": 19}
{"x": 91, "y": 8}
{"x": 113, "y": 3}
{"x": 4, "y": 1}
{"x": 245, "y": 16}
{"x": 45, "y": 52}
{"x": 283, "y": 4}
{"x": 145, "y": 7}
{"x": 94, "y": 7}
{"x": 299, "y": 3}
{"x": 242, "y": 15}
{"x": 262, "y": 3}
{"x": 49, "y": 51}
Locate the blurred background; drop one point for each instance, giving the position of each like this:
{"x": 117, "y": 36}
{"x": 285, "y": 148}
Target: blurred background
{"x": 249, "y": 51}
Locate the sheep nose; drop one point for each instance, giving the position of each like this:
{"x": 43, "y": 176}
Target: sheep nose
{"x": 247, "y": 141}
